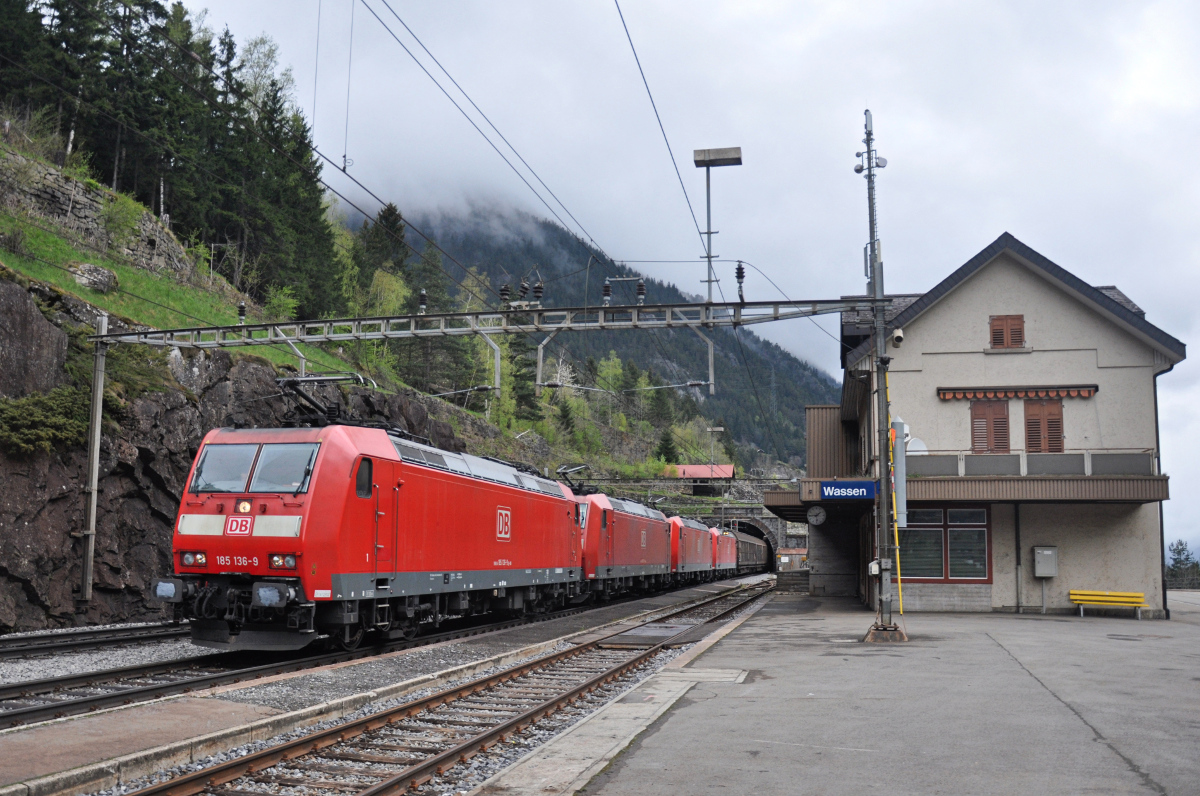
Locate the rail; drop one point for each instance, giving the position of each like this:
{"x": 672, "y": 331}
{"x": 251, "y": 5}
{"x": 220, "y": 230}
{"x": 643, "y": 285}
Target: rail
{"x": 33, "y": 701}
{"x": 88, "y": 638}
{"x": 50, "y": 698}
{"x": 498, "y": 705}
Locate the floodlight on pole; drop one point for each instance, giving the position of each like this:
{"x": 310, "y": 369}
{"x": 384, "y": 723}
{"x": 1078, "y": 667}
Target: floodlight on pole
{"x": 707, "y": 159}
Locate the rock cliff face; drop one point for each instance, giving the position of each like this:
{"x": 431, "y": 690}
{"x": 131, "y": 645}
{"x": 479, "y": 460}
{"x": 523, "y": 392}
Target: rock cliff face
{"x": 145, "y": 455}
{"x": 32, "y": 350}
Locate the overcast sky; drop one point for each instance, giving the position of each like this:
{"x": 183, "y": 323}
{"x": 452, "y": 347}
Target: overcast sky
{"x": 1067, "y": 124}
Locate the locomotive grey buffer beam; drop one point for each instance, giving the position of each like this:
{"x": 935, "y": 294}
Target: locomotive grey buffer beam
{"x": 509, "y": 321}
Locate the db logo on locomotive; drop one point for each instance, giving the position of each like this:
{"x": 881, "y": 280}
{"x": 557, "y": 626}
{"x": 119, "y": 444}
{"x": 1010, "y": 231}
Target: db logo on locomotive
{"x": 239, "y": 526}
{"x": 503, "y": 525}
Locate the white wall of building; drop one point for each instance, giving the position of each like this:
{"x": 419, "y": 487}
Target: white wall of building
{"x": 1066, "y": 343}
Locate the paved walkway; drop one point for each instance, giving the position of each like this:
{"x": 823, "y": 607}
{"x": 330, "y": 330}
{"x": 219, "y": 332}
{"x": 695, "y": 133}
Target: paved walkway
{"x": 974, "y": 704}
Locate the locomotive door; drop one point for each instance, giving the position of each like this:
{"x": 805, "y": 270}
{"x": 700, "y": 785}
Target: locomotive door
{"x": 386, "y": 496}
{"x": 610, "y": 524}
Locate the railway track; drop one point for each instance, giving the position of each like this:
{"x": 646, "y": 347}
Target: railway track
{"x": 74, "y": 694}
{"x": 55, "y": 697}
{"x": 89, "y": 638}
{"x": 402, "y": 748}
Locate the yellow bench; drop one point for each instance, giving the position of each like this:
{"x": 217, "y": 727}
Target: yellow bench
{"x": 1118, "y": 599}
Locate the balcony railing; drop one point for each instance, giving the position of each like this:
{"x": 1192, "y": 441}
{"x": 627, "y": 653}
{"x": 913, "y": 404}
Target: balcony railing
{"x": 1087, "y": 461}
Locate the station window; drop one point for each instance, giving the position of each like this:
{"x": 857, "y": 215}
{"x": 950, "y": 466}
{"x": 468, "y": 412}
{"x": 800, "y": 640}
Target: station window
{"x": 989, "y": 427}
{"x": 945, "y": 545}
{"x": 1007, "y": 331}
{"x": 1044, "y": 426}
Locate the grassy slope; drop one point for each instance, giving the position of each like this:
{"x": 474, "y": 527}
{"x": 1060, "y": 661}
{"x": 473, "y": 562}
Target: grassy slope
{"x": 145, "y": 297}
{"x": 160, "y": 301}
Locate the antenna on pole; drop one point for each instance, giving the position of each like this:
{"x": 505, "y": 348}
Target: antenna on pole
{"x": 884, "y": 629}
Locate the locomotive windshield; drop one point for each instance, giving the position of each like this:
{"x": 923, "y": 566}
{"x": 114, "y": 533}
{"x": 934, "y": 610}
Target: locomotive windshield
{"x": 282, "y": 467}
{"x": 224, "y": 468}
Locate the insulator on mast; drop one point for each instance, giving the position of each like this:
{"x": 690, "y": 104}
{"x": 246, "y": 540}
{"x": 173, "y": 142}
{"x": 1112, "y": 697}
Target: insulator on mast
{"x": 523, "y": 290}
{"x": 505, "y": 293}
{"x": 241, "y": 313}
{"x": 740, "y": 273}
{"x": 641, "y": 292}
{"x": 538, "y": 291}
{"x": 606, "y": 292}
{"x": 422, "y": 302}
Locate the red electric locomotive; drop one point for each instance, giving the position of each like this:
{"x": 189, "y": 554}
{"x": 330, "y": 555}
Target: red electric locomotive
{"x": 625, "y": 545}
{"x": 284, "y": 534}
{"x": 691, "y": 557}
{"x": 726, "y": 557}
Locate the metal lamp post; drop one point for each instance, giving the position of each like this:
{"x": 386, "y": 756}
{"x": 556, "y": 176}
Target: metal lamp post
{"x": 707, "y": 159}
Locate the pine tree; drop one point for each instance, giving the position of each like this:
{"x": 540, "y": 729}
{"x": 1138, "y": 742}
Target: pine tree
{"x": 660, "y": 411}
{"x": 666, "y": 449}
{"x": 566, "y": 417}
{"x": 630, "y": 375}
{"x": 521, "y": 354}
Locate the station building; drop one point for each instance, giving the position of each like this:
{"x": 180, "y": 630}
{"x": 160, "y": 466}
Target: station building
{"x": 1031, "y": 405}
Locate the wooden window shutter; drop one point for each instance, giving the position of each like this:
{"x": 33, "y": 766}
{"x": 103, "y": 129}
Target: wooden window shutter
{"x": 1000, "y": 427}
{"x": 1034, "y": 438}
{"x": 1008, "y": 331}
{"x": 1054, "y": 427}
{"x": 989, "y": 427}
{"x": 1016, "y": 331}
{"x": 999, "y": 331}
{"x": 1044, "y": 426}
{"x": 979, "y": 424}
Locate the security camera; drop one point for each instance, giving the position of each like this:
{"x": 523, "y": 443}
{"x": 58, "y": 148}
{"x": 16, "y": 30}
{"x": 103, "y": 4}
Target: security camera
{"x": 897, "y": 337}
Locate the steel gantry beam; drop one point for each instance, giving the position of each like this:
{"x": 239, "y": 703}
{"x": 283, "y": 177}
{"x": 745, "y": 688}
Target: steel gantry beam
{"x": 521, "y": 320}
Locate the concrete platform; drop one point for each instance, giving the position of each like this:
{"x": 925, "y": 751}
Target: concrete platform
{"x": 87, "y": 753}
{"x": 790, "y": 702}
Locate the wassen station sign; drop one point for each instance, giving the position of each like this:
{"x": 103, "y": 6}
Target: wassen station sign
{"x": 847, "y": 490}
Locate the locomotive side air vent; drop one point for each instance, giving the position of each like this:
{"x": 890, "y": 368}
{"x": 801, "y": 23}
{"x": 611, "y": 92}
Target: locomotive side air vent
{"x": 411, "y": 454}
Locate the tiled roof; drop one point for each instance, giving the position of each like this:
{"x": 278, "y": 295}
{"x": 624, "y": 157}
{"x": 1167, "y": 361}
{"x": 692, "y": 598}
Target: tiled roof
{"x": 1114, "y": 293}
{"x": 704, "y": 470}
{"x": 864, "y": 318}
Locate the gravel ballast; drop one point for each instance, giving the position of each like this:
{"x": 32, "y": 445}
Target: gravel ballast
{"x": 59, "y": 664}
{"x": 459, "y": 779}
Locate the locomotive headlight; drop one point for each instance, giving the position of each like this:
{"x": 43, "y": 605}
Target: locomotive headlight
{"x": 283, "y": 561}
{"x": 194, "y": 559}
{"x": 243, "y": 507}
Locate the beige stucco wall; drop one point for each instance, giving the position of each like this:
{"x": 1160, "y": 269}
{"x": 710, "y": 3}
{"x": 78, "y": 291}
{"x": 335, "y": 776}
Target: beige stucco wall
{"x": 1067, "y": 343}
{"x": 1110, "y": 547}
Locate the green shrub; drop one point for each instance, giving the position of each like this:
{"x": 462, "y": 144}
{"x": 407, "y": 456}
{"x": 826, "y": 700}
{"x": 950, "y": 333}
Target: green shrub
{"x": 120, "y": 216}
{"x": 281, "y": 304}
{"x": 44, "y": 422}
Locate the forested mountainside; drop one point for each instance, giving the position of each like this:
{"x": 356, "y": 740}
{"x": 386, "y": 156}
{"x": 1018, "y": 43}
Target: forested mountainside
{"x": 761, "y": 388}
{"x": 146, "y": 107}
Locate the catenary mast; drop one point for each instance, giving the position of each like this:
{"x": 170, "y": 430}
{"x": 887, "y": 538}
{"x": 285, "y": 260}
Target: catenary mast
{"x": 870, "y": 161}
